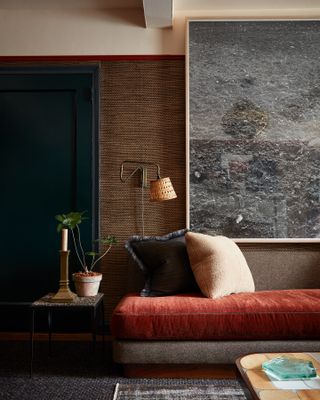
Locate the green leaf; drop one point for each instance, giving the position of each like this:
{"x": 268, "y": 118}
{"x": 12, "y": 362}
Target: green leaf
{"x": 92, "y": 253}
{"x": 110, "y": 239}
{"x": 59, "y": 227}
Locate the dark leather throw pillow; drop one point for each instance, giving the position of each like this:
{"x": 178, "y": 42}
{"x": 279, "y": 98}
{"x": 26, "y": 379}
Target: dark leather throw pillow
{"x": 165, "y": 263}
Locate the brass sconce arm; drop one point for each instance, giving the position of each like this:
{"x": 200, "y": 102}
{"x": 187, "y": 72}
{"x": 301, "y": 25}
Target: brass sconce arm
{"x": 139, "y": 166}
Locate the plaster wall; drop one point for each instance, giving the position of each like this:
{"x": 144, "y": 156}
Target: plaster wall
{"x": 80, "y": 31}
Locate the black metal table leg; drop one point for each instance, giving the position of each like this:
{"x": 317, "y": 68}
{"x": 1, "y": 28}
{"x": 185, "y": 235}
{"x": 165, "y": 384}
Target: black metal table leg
{"x": 31, "y": 341}
{"x": 50, "y": 331}
{"x": 103, "y": 326}
{"x": 94, "y": 328}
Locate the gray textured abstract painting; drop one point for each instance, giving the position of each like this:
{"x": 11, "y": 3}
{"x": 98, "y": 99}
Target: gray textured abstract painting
{"x": 254, "y": 128}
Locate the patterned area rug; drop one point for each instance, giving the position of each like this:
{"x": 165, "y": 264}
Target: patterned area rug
{"x": 232, "y": 391}
{"x": 74, "y": 372}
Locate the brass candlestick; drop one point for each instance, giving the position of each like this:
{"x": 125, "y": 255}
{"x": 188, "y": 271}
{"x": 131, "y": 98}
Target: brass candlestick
{"x": 64, "y": 294}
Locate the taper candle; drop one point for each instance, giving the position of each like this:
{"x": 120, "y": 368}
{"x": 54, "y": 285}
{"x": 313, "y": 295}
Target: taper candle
{"x": 64, "y": 239}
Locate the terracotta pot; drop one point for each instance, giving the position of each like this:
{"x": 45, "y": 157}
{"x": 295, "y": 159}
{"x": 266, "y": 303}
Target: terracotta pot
{"x": 87, "y": 284}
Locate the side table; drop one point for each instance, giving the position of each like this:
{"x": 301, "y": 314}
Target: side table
{"x": 261, "y": 387}
{"x": 91, "y": 304}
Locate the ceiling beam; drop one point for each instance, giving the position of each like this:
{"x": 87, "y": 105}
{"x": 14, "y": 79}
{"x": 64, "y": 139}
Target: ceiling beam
{"x": 158, "y": 13}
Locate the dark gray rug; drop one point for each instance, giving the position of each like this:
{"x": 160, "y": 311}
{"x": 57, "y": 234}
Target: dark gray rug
{"x": 74, "y": 372}
{"x": 213, "y": 390}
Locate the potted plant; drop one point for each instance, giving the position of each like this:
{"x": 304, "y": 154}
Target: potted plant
{"x": 87, "y": 281}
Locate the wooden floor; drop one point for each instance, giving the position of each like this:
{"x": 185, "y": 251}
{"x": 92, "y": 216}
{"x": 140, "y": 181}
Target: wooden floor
{"x": 180, "y": 371}
{"x": 43, "y": 336}
{"x": 135, "y": 370}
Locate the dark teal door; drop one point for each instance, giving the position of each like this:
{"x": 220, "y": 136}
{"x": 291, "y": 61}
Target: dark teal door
{"x": 47, "y": 166}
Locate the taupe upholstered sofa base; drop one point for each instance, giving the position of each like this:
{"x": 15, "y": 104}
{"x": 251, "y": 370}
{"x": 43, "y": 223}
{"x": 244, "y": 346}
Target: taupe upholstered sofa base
{"x": 201, "y": 352}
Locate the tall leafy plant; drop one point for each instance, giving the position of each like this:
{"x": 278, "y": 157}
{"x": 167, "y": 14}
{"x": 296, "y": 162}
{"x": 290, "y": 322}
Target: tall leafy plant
{"x": 71, "y": 221}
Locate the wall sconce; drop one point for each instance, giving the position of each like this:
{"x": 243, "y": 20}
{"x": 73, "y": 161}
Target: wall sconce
{"x": 161, "y": 189}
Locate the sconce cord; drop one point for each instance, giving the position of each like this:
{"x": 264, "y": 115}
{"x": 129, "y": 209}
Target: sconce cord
{"x": 142, "y": 209}
{"x": 142, "y": 167}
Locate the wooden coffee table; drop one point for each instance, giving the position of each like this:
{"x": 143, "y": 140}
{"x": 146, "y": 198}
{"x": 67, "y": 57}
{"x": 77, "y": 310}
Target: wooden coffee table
{"x": 261, "y": 387}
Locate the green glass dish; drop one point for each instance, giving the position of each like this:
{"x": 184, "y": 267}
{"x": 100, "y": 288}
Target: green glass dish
{"x": 283, "y": 368}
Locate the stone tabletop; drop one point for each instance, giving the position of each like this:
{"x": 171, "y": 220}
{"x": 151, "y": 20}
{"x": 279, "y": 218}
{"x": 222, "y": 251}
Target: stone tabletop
{"x": 79, "y": 301}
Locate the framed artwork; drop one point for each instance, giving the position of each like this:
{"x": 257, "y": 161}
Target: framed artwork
{"x": 253, "y": 122}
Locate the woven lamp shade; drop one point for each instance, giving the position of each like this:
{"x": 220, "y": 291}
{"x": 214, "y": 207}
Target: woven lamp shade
{"x": 162, "y": 189}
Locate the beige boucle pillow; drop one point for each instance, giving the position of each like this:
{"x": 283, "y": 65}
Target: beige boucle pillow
{"x": 218, "y": 265}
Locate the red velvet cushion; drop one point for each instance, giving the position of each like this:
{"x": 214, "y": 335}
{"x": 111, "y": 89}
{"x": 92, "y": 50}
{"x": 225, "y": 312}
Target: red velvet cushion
{"x": 268, "y": 315}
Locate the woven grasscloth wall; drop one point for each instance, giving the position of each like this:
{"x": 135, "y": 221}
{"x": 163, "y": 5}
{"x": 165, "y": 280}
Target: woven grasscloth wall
{"x": 142, "y": 118}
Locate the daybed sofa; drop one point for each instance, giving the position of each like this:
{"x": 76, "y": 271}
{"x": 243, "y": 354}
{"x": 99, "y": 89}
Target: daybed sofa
{"x": 283, "y": 314}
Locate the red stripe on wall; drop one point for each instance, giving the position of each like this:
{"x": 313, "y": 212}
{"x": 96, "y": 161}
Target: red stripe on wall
{"x": 92, "y": 58}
